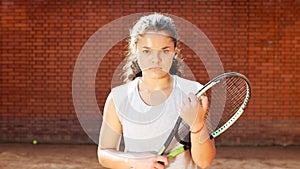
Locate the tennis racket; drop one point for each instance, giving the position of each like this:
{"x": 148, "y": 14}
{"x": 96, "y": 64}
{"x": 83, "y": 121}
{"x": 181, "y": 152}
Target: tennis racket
{"x": 228, "y": 96}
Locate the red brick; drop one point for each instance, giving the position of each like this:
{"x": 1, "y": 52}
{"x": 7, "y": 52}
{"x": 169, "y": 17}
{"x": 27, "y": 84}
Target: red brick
{"x": 41, "y": 40}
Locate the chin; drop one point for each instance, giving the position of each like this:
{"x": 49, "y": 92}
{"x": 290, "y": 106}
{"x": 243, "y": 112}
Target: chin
{"x": 159, "y": 75}
{"x": 156, "y": 74}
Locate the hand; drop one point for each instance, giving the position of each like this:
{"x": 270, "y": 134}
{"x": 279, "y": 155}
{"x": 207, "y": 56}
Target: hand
{"x": 150, "y": 162}
{"x": 193, "y": 110}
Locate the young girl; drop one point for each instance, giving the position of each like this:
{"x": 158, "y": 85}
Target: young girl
{"x": 144, "y": 110}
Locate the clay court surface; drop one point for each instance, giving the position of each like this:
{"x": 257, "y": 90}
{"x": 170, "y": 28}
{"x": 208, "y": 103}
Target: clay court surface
{"x": 43, "y": 156}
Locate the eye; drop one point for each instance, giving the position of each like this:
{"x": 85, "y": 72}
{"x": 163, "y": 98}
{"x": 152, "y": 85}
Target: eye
{"x": 166, "y": 51}
{"x": 146, "y": 52}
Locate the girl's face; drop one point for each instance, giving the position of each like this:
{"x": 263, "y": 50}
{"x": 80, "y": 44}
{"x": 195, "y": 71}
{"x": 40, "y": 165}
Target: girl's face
{"x": 155, "y": 51}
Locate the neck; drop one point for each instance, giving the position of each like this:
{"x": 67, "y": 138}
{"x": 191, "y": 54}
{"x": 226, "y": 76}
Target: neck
{"x": 156, "y": 84}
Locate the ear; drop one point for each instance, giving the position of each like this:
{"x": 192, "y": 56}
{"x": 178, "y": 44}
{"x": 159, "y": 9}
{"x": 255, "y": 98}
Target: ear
{"x": 176, "y": 53}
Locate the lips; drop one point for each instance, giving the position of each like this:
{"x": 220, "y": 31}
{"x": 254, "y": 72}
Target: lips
{"x": 153, "y": 68}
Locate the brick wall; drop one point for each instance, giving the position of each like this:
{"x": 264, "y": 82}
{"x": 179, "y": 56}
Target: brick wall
{"x": 41, "y": 40}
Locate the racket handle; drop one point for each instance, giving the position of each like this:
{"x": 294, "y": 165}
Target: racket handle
{"x": 176, "y": 152}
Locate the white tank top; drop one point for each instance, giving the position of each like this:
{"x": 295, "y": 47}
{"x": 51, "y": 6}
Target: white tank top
{"x": 146, "y": 128}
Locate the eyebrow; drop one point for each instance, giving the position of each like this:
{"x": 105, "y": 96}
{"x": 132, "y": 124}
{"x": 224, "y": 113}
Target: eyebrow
{"x": 166, "y": 47}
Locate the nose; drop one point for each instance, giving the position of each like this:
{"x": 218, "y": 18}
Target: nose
{"x": 156, "y": 58}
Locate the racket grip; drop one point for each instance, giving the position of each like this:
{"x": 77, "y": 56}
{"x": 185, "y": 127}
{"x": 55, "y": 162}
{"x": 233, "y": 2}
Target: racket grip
{"x": 176, "y": 152}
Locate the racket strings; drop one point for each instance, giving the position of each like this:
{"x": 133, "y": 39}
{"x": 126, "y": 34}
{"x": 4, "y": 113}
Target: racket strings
{"x": 208, "y": 116}
{"x": 215, "y": 105}
{"x": 235, "y": 102}
{"x": 183, "y": 133}
{"x": 235, "y": 93}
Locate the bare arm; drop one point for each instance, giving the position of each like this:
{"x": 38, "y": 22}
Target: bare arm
{"x": 203, "y": 149}
{"x": 110, "y": 135}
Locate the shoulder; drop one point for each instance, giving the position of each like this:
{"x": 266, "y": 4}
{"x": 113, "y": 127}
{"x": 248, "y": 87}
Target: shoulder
{"x": 124, "y": 88}
{"x": 121, "y": 95}
{"x": 187, "y": 85}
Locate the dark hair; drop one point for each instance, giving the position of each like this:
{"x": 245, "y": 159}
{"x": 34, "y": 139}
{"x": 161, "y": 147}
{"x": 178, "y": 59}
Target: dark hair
{"x": 154, "y": 22}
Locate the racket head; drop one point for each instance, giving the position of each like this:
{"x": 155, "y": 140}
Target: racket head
{"x": 228, "y": 96}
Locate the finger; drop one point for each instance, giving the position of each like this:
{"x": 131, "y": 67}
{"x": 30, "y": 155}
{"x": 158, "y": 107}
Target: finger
{"x": 189, "y": 99}
{"x": 184, "y": 105}
{"x": 193, "y": 99}
{"x": 204, "y": 101}
{"x": 159, "y": 165}
{"x": 186, "y": 101}
{"x": 162, "y": 159}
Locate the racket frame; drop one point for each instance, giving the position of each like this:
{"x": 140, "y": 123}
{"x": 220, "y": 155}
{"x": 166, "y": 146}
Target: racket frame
{"x": 232, "y": 120}
{"x": 170, "y": 137}
{"x": 240, "y": 111}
